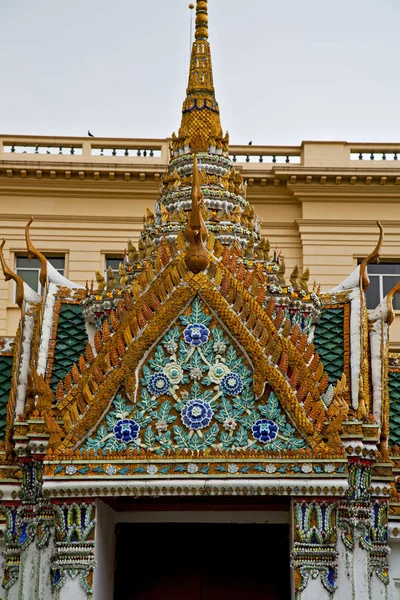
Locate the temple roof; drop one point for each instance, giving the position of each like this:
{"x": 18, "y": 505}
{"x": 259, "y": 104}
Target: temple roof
{"x": 200, "y": 350}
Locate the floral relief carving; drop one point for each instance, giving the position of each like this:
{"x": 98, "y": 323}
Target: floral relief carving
{"x": 196, "y": 392}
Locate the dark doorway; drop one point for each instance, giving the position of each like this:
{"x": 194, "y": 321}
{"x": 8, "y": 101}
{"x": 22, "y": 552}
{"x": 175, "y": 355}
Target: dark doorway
{"x": 196, "y": 561}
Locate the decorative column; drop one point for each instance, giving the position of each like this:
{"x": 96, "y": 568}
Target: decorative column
{"x": 314, "y": 555}
{"x": 12, "y": 554}
{"x": 379, "y": 536}
{"x": 363, "y": 549}
{"x": 28, "y": 534}
{"x": 73, "y": 561}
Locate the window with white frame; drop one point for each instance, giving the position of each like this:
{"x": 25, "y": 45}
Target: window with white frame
{"x": 383, "y": 277}
{"x": 114, "y": 264}
{"x": 29, "y": 270}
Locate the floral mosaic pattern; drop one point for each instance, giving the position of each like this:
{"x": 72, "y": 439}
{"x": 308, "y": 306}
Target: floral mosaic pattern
{"x": 126, "y": 430}
{"x": 196, "y": 393}
{"x": 265, "y": 430}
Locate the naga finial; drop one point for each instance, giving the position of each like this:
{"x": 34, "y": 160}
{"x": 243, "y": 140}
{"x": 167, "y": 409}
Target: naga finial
{"x": 389, "y": 303}
{"x": 196, "y": 231}
{"x": 373, "y": 257}
{"x": 34, "y": 253}
{"x": 201, "y": 32}
{"x": 9, "y": 274}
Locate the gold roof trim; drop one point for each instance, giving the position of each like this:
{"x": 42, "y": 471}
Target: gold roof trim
{"x": 9, "y": 274}
{"x": 373, "y": 257}
{"x": 34, "y": 253}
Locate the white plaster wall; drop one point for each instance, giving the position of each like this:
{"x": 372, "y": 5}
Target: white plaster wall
{"x": 345, "y": 578}
{"x": 28, "y": 575}
{"x": 314, "y": 591}
{"x": 394, "y": 570}
{"x": 44, "y": 565}
{"x": 72, "y": 590}
{"x": 379, "y": 591}
{"x": 103, "y": 586}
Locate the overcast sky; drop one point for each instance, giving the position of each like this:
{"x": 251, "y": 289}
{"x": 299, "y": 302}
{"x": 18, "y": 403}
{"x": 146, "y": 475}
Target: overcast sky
{"x": 284, "y": 70}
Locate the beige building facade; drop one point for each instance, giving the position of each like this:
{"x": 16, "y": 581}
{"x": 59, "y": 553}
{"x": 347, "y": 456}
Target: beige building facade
{"x": 318, "y": 203}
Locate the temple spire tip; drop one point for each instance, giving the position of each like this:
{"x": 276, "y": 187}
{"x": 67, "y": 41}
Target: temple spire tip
{"x": 201, "y": 32}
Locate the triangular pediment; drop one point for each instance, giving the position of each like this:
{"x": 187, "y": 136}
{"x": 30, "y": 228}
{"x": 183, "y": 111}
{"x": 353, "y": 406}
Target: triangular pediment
{"x": 195, "y": 394}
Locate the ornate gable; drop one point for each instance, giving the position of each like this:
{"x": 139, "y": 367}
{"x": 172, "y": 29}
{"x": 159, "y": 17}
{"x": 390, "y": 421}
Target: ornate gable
{"x": 196, "y": 393}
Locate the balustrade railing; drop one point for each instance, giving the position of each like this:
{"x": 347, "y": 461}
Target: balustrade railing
{"x": 126, "y": 151}
{"x": 40, "y": 148}
{"x": 266, "y": 154}
{"x": 376, "y": 152}
{"x": 95, "y": 148}
{"x": 137, "y": 152}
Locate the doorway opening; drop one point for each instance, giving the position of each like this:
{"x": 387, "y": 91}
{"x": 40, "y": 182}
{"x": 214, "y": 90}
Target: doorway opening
{"x": 202, "y": 561}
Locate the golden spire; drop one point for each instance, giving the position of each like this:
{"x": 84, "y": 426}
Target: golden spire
{"x": 8, "y": 274}
{"x": 201, "y": 125}
{"x": 196, "y": 231}
{"x": 33, "y": 253}
{"x": 201, "y": 32}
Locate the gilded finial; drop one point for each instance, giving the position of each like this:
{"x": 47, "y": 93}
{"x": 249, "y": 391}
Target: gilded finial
{"x": 373, "y": 257}
{"x": 8, "y": 274}
{"x": 33, "y": 253}
{"x": 195, "y": 231}
{"x": 201, "y": 126}
{"x": 201, "y": 32}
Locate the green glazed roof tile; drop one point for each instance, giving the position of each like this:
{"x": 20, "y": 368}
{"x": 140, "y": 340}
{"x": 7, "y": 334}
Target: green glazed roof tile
{"x": 329, "y": 342}
{"x": 71, "y": 341}
{"x": 394, "y": 415}
{"x": 5, "y": 386}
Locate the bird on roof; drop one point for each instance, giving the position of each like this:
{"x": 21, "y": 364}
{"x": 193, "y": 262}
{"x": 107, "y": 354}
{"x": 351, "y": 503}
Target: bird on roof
{"x": 89, "y": 133}
{"x": 250, "y": 143}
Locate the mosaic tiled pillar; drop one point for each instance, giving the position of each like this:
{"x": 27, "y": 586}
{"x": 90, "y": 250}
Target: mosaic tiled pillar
{"x": 314, "y": 555}
{"x": 73, "y": 560}
{"x": 363, "y": 549}
{"x": 28, "y": 535}
{"x": 12, "y": 553}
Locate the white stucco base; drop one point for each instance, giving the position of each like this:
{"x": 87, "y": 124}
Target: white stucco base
{"x": 394, "y": 570}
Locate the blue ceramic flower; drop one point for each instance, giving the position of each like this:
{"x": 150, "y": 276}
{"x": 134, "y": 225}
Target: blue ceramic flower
{"x": 231, "y": 384}
{"x": 265, "y": 431}
{"x": 158, "y": 384}
{"x": 126, "y": 430}
{"x": 196, "y": 414}
{"x": 196, "y": 334}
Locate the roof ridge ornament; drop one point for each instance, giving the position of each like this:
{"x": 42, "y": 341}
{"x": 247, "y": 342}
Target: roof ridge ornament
{"x": 373, "y": 257}
{"x": 389, "y": 302}
{"x": 34, "y": 253}
{"x": 9, "y": 274}
{"x": 196, "y": 232}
